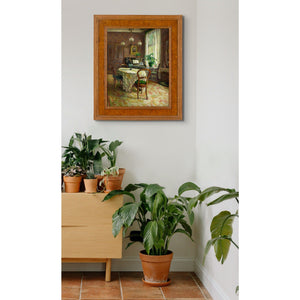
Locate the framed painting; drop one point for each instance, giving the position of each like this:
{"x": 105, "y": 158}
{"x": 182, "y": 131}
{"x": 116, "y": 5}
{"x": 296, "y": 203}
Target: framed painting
{"x": 137, "y": 67}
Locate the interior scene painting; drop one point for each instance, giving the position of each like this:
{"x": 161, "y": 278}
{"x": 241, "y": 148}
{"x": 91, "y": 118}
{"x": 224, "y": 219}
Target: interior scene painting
{"x": 137, "y": 67}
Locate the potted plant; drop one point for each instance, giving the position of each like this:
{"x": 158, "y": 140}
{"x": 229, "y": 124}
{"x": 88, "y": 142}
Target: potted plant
{"x": 72, "y": 176}
{"x": 158, "y": 218}
{"x": 90, "y": 182}
{"x": 85, "y": 152}
{"x": 113, "y": 176}
{"x": 151, "y": 59}
{"x": 112, "y": 179}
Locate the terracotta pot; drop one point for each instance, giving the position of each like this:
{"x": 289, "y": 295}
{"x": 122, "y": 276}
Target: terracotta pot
{"x": 90, "y": 185}
{"x": 72, "y": 184}
{"x": 122, "y": 172}
{"x": 112, "y": 183}
{"x": 156, "y": 268}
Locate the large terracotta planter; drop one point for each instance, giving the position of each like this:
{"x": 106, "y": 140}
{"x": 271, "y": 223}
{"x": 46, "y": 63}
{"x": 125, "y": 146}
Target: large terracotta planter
{"x": 72, "y": 184}
{"x": 156, "y": 268}
{"x": 114, "y": 182}
{"x": 90, "y": 185}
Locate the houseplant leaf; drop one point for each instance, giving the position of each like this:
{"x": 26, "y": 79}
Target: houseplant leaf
{"x": 223, "y": 198}
{"x": 152, "y": 189}
{"x": 117, "y": 192}
{"x": 124, "y": 216}
{"x": 212, "y": 190}
{"x": 132, "y": 187}
{"x": 188, "y": 186}
{"x": 157, "y": 205}
{"x": 221, "y": 226}
{"x": 150, "y": 235}
{"x": 113, "y": 145}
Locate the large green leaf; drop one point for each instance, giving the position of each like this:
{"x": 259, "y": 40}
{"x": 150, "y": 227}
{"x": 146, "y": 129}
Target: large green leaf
{"x": 117, "y": 192}
{"x": 221, "y": 225}
{"x": 187, "y": 228}
{"x": 212, "y": 190}
{"x": 150, "y": 235}
{"x": 152, "y": 189}
{"x": 98, "y": 167}
{"x": 223, "y": 198}
{"x": 193, "y": 203}
{"x": 188, "y": 186}
{"x": 113, "y": 145}
{"x": 124, "y": 216}
{"x": 159, "y": 201}
{"x": 117, "y": 223}
{"x": 132, "y": 187}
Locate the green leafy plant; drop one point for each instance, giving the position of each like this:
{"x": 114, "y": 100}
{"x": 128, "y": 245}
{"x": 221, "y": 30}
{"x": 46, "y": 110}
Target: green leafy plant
{"x": 111, "y": 152}
{"x": 72, "y": 171}
{"x": 84, "y": 151}
{"x": 113, "y": 171}
{"x": 221, "y": 225}
{"x": 157, "y": 216}
{"x": 151, "y": 59}
{"x": 221, "y": 229}
{"x": 90, "y": 173}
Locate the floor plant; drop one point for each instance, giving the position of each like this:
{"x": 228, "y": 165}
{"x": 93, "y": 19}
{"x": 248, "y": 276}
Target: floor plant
{"x": 158, "y": 218}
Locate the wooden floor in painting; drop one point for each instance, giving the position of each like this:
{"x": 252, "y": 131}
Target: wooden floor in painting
{"x": 158, "y": 95}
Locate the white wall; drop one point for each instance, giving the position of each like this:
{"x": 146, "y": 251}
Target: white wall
{"x": 153, "y": 151}
{"x": 217, "y": 132}
{"x": 202, "y": 148}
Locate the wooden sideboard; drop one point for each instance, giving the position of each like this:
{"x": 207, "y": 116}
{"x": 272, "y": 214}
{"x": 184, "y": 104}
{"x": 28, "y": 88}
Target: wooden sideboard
{"x": 87, "y": 229}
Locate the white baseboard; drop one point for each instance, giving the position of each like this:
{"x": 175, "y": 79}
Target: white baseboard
{"x": 216, "y": 292}
{"x": 128, "y": 264}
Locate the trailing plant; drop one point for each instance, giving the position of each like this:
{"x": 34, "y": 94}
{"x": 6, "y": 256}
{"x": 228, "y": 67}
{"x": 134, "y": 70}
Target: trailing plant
{"x": 84, "y": 151}
{"x": 111, "y": 152}
{"x": 113, "y": 171}
{"x": 157, "y": 216}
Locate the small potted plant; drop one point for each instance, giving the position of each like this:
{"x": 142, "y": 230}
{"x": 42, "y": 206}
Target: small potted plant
{"x": 90, "y": 182}
{"x": 112, "y": 179}
{"x": 85, "y": 152}
{"x": 113, "y": 176}
{"x": 151, "y": 59}
{"x": 72, "y": 177}
{"x": 158, "y": 218}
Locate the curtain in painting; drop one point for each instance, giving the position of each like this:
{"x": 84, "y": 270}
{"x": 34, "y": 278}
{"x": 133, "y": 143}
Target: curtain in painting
{"x": 153, "y": 44}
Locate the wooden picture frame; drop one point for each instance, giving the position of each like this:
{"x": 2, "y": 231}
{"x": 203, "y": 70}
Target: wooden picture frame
{"x": 103, "y": 109}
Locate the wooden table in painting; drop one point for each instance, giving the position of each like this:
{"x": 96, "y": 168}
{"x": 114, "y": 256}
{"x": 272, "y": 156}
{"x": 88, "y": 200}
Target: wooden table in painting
{"x": 129, "y": 77}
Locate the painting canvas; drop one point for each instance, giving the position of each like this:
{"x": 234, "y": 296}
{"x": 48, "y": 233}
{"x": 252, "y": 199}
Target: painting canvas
{"x": 137, "y": 67}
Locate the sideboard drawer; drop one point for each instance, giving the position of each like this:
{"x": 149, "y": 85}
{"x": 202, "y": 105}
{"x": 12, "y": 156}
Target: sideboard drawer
{"x": 87, "y": 226}
{"x": 88, "y": 209}
{"x": 90, "y": 242}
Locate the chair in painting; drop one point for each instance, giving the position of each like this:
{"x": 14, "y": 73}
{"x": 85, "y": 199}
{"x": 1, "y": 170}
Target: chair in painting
{"x": 142, "y": 81}
{"x": 117, "y": 77}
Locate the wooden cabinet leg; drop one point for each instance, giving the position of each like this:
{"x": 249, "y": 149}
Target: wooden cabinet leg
{"x": 108, "y": 270}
